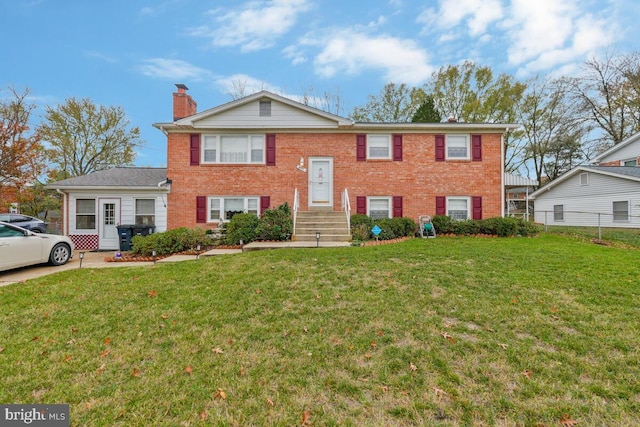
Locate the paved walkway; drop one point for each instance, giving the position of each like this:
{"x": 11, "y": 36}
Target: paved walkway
{"x": 100, "y": 260}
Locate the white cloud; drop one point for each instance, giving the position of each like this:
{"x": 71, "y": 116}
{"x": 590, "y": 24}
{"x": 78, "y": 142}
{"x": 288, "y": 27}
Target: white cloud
{"x": 173, "y": 69}
{"x": 477, "y": 15}
{"x": 101, "y": 56}
{"x": 254, "y": 27}
{"x": 551, "y": 33}
{"x": 352, "y": 52}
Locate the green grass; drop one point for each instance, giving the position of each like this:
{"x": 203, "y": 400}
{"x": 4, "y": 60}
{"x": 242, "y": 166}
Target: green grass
{"x": 442, "y": 332}
{"x": 624, "y": 236}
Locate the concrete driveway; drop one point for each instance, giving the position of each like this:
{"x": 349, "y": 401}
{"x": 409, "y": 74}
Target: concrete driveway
{"x": 90, "y": 260}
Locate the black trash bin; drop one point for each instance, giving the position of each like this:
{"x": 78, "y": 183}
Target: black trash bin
{"x": 125, "y": 232}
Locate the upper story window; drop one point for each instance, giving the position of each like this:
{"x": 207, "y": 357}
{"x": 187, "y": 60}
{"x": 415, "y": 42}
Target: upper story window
{"x": 379, "y": 147}
{"x": 233, "y": 149}
{"x": 630, "y": 162}
{"x": 457, "y": 147}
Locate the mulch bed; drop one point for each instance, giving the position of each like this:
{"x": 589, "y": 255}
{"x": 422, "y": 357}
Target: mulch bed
{"x": 129, "y": 257}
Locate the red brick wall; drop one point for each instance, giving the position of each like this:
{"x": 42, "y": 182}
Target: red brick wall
{"x": 418, "y": 178}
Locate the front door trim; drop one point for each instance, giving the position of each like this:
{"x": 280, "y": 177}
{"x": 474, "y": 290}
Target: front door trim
{"x": 108, "y": 233}
{"x": 321, "y": 182}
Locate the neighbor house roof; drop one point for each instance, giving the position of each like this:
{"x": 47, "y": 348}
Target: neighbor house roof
{"x": 126, "y": 178}
{"x": 631, "y": 173}
{"x": 633, "y": 138}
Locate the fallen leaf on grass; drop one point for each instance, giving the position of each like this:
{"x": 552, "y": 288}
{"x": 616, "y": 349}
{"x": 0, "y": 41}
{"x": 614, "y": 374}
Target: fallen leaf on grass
{"x": 413, "y": 367}
{"x": 373, "y": 344}
{"x": 447, "y": 337}
{"x": 527, "y": 374}
{"x": 385, "y": 388}
{"x": 74, "y": 329}
{"x": 270, "y": 402}
{"x": 107, "y": 341}
{"x": 217, "y": 350}
{"x": 188, "y": 369}
{"x": 504, "y": 346}
{"x": 440, "y": 392}
{"x": 35, "y": 338}
{"x": 220, "y": 394}
{"x": 164, "y": 316}
{"x": 120, "y": 415}
{"x": 68, "y": 357}
{"x": 101, "y": 369}
{"x": 1, "y": 349}
{"x": 305, "y": 419}
{"x": 566, "y": 421}
{"x": 203, "y": 415}
{"x": 135, "y": 372}
{"x": 106, "y": 352}
{"x": 152, "y": 294}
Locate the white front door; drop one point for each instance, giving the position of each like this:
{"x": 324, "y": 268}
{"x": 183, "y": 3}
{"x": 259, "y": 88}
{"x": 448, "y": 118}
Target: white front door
{"x": 320, "y": 181}
{"x": 109, "y": 219}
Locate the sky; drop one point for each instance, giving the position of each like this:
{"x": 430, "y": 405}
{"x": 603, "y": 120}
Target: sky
{"x": 130, "y": 53}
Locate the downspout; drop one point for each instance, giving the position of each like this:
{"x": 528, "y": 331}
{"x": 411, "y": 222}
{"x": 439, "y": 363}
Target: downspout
{"x": 502, "y": 190}
{"x": 65, "y": 213}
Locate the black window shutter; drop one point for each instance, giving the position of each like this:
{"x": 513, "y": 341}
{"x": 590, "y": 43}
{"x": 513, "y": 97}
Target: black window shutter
{"x": 440, "y": 148}
{"x": 441, "y": 205}
{"x": 397, "y": 148}
{"x": 476, "y": 202}
{"x": 265, "y": 202}
{"x": 476, "y": 148}
{"x": 194, "y": 148}
{"x": 271, "y": 149}
{"x": 397, "y": 206}
{"x": 201, "y": 209}
{"x": 361, "y": 205}
{"x": 361, "y": 147}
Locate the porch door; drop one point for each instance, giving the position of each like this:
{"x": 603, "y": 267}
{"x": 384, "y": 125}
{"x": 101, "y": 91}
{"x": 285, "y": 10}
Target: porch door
{"x": 109, "y": 219}
{"x": 320, "y": 182}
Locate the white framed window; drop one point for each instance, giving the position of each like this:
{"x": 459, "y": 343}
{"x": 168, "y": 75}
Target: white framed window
{"x": 145, "y": 212}
{"x": 584, "y": 178}
{"x": 85, "y": 214}
{"x": 621, "y": 210}
{"x": 379, "y": 207}
{"x": 558, "y": 212}
{"x": 265, "y": 108}
{"x": 379, "y": 147}
{"x": 458, "y": 208}
{"x": 233, "y": 149}
{"x": 457, "y": 147}
{"x": 224, "y": 208}
{"x": 630, "y": 162}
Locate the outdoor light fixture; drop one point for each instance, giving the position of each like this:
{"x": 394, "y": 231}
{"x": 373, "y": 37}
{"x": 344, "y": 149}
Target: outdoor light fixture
{"x": 317, "y": 239}
{"x": 198, "y": 251}
{"x": 81, "y": 256}
{"x": 153, "y": 253}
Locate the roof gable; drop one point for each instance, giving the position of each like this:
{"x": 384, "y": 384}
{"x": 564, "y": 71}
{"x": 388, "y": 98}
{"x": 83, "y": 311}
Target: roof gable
{"x": 246, "y": 113}
{"x": 630, "y": 173}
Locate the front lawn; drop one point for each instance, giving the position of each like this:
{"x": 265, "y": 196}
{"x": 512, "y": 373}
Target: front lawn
{"x": 439, "y": 332}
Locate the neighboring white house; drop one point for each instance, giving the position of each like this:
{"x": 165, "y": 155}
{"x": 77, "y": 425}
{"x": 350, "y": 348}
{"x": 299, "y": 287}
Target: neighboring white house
{"x": 625, "y": 153}
{"x": 608, "y": 196}
{"x": 94, "y": 205}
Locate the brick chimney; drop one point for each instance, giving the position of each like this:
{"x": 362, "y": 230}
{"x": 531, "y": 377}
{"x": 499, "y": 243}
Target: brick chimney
{"x": 183, "y": 104}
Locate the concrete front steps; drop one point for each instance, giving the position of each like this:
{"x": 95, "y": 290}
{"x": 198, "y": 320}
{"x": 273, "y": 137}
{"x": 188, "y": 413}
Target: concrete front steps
{"x": 333, "y": 226}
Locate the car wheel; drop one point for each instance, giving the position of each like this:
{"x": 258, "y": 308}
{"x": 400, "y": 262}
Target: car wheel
{"x": 60, "y": 254}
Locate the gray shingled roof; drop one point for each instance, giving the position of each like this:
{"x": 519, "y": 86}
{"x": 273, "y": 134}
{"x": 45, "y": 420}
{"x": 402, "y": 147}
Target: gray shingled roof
{"x": 116, "y": 177}
{"x": 632, "y": 171}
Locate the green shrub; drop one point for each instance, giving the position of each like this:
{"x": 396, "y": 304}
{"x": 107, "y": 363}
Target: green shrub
{"x": 169, "y": 242}
{"x": 443, "y": 224}
{"x": 495, "y": 226}
{"x": 526, "y": 228}
{"x": 360, "y": 232}
{"x": 275, "y": 224}
{"x": 469, "y": 227}
{"x": 243, "y": 226}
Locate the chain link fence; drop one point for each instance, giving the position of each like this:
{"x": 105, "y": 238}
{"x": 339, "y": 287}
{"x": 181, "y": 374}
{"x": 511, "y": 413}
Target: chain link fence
{"x": 598, "y": 225}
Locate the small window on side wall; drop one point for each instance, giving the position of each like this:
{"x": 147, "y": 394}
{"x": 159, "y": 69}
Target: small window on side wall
{"x": 558, "y": 212}
{"x": 85, "y": 214}
{"x": 145, "y": 212}
{"x": 265, "y": 108}
{"x": 621, "y": 210}
{"x": 630, "y": 162}
{"x": 584, "y": 178}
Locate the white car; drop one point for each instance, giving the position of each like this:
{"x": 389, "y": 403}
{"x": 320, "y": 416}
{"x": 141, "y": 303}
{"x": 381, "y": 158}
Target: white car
{"x": 20, "y": 247}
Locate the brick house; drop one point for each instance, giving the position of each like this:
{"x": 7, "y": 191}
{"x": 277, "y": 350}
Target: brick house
{"x": 264, "y": 149}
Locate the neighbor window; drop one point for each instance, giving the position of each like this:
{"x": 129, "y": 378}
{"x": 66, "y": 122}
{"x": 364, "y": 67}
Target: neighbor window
{"x": 584, "y": 179}
{"x": 632, "y": 162}
{"x": 224, "y": 208}
{"x": 379, "y": 207}
{"x": 458, "y": 208}
{"x": 145, "y": 212}
{"x": 457, "y": 147}
{"x": 85, "y": 214}
{"x": 233, "y": 149}
{"x": 621, "y": 211}
{"x": 378, "y": 146}
{"x": 558, "y": 212}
